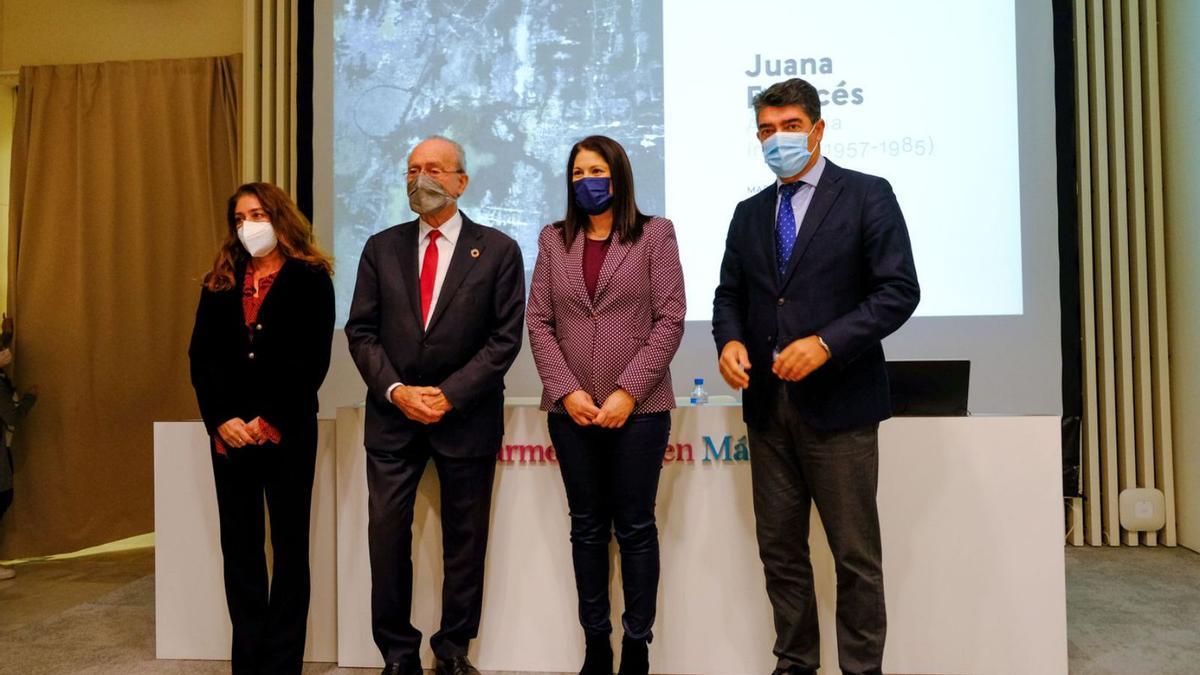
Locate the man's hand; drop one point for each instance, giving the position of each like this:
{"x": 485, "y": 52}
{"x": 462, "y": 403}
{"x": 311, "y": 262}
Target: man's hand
{"x": 237, "y": 434}
{"x": 615, "y": 410}
{"x": 438, "y": 401}
{"x": 799, "y": 359}
{"x": 411, "y": 402}
{"x": 580, "y": 407}
{"x": 734, "y": 363}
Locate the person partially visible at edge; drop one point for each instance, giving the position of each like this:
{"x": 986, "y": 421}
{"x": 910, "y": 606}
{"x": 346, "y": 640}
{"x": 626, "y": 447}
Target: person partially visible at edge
{"x": 13, "y": 408}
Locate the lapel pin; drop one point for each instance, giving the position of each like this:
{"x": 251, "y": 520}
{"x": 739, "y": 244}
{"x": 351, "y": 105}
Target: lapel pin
{"x": 474, "y": 253}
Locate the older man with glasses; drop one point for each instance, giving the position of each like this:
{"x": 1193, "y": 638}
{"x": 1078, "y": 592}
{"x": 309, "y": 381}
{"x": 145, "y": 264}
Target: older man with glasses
{"x": 434, "y": 325}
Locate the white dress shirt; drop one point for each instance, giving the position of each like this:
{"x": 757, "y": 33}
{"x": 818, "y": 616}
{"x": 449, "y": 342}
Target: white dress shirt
{"x": 445, "y": 248}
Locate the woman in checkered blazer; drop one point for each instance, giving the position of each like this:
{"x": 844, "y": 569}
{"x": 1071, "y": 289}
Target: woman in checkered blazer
{"x": 605, "y": 316}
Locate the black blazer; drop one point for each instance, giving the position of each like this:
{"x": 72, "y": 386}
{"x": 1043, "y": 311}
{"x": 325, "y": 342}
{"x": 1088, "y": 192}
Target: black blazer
{"x": 473, "y": 337}
{"x": 275, "y": 370}
{"x": 851, "y": 280}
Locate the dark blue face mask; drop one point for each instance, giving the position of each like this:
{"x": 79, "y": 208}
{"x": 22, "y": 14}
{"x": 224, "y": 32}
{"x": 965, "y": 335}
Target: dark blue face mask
{"x": 593, "y": 195}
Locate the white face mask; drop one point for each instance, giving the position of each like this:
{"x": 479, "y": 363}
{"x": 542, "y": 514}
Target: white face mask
{"x": 258, "y": 237}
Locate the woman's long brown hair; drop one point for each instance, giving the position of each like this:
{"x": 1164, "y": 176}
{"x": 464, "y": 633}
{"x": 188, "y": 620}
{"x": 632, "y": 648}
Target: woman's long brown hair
{"x": 292, "y": 229}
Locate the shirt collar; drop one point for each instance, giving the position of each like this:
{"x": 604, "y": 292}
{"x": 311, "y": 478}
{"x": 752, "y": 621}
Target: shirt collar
{"x": 812, "y": 177}
{"x": 448, "y": 229}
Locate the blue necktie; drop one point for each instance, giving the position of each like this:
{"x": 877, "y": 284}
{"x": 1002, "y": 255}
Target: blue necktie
{"x": 785, "y": 226}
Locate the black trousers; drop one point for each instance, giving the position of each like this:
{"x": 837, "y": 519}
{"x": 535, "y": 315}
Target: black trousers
{"x": 611, "y": 478}
{"x": 269, "y": 622}
{"x": 466, "y": 501}
{"x": 792, "y": 467}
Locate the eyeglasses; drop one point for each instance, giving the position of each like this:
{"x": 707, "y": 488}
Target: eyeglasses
{"x": 431, "y": 171}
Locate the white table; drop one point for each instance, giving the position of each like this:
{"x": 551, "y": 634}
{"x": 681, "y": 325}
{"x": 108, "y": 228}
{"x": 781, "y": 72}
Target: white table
{"x": 191, "y": 619}
{"x": 971, "y": 517}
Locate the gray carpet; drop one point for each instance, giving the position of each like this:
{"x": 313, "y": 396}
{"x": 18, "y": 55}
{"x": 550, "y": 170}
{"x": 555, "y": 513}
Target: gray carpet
{"x": 1130, "y": 611}
{"x": 111, "y": 635}
{"x": 1133, "y": 611}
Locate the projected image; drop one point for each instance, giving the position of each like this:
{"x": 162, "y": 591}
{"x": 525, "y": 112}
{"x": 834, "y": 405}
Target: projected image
{"x": 924, "y": 94}
{"x": 517, "y": 82}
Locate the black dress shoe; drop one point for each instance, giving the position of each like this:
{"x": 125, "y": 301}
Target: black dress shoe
{"x": 402, "y": 669}
{"x": 455, "y": 665}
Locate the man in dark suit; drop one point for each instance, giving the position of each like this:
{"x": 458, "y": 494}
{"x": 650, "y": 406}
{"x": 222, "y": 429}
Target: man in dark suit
{"x": 434, "y": 325}
{"x": 818, "y": 269}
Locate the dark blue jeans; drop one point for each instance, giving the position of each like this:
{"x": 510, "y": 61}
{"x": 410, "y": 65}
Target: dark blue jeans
{"x": 611, "y": 477}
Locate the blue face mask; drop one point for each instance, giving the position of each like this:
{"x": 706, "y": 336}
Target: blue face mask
{"x": 787, "y": 152}
{"x": 593, "y": 195}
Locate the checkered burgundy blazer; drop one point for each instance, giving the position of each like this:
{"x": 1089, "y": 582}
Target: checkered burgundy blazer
{"x": 624, "y": 339}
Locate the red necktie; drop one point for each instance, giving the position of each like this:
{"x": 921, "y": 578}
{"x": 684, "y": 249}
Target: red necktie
{"x": 429, "y": 275}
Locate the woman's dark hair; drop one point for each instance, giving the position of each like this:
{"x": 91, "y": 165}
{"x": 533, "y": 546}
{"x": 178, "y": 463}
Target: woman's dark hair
{"x": 292, "y": 230}
{"x": 627, "y": 219}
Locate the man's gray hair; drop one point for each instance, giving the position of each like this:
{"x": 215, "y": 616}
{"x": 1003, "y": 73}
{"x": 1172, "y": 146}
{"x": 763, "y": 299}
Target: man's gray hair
{"x": 458, "y": 149}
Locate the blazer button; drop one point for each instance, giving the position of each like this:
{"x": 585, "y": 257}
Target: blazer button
{"x": 251, "y": 355}
{"x": 780, "y": 302}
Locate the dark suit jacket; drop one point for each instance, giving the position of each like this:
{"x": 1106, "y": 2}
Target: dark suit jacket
{"x": 851, "y": 280}
{"x": 473, "y": 337}
{"x": 275, "y": 370}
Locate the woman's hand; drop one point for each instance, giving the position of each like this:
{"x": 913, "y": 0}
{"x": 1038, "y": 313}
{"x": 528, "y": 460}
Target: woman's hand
{"x": 237, "y": 434}
{"x": 580, "y": 407}
{"x": 255, "y": 427}
{"x": 615, "y": 410}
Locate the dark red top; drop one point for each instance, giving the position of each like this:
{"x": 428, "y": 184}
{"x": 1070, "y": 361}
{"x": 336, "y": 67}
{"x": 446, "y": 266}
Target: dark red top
{"x": 593, "y": 260}
{"x": 251, "y": 303}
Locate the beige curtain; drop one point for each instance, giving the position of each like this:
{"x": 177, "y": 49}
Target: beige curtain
{"x": 119, "y": 176}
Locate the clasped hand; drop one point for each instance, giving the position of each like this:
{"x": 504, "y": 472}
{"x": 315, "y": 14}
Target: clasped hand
{"x": 611, "y": 415}
{"x": 797, "y": 361}
{"x": 426, "y": 405}
{"x": 238, "y": 433}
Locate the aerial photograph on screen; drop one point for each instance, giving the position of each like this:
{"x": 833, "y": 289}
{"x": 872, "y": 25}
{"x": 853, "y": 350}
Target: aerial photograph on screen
{"x": 517, "y": 82}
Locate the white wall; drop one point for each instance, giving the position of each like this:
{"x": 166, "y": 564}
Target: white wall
{"x": 1179, "y": 30}
{"x": 87, "y": 31}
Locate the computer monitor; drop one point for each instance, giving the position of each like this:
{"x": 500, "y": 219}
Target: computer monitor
{"x": 929, "y": 388}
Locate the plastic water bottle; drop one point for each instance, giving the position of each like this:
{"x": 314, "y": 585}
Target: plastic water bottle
{"x": 698, "y": 395}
